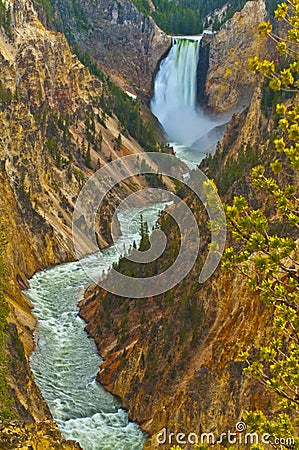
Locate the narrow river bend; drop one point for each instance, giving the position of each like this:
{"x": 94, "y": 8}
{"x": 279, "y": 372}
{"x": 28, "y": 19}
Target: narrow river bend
{"x": 66, "y": 361}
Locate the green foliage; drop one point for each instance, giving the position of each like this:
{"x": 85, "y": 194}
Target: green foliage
{"x": 73, "y": 8}
{"x": 144, "y": 234}
{"x": 280, "y": 429}
{"x": 87, "y": 159}
{"x": 142, "y": 6}
{"x": 5, "y": 400}
{"x": 234, "y": 168}
{"x": 269, "y": 260}
{"x": 115, "y": 101}
{"x": 271, "y": 98}
{"x": 5, "y": 17}
{"x": 187, "y": 16}
{"x": 177, "y": 17}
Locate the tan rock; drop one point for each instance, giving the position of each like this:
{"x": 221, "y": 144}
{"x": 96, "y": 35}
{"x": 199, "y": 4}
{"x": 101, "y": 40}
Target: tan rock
{"x": 229, "y": 81}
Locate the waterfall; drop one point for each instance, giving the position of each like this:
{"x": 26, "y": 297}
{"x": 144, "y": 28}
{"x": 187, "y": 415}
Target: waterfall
{"x": 175, "y": 93}
{"x": 181, "y": 82}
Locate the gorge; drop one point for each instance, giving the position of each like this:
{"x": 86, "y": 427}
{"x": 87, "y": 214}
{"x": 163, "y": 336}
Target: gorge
{"x": 65, "y": 363}
{"x": 171, "y": 360}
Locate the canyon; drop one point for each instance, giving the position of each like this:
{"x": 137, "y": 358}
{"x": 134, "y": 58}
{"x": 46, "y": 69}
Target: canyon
{"x": 177, "y": 369}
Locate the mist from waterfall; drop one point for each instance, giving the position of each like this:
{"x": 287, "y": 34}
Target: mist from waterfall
{"x": 175, "y": 94}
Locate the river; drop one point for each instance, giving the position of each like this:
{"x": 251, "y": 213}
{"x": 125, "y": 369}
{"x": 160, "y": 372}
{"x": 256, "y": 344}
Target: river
{"x": 66, "y": 361}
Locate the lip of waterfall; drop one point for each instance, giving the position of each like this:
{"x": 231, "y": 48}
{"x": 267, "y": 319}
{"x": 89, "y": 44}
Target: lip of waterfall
{"x": 195, "y": 38}
{"x": 175, "y": 99}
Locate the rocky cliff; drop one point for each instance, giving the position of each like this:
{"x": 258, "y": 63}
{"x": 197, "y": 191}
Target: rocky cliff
{"x": 124, "y": 43}
{"x": 56, "y": 129}
{"x": 229, "y": 82}
{"x": 173, "y": 359}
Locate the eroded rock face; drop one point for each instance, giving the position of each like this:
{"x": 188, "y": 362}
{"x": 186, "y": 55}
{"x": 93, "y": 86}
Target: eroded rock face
{"x": 173, "y": 359}
{"x": 49, "y": 108}
{"x": 178, "y": 368}
{"x": 43, "y": 435}
{"x": 124, "y": 43}
{"x": 229, "y": 82}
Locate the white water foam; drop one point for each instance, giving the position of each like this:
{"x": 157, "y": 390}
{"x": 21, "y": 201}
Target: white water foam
{"x": 66, "y": 361}
{"x": 175, "y": 101}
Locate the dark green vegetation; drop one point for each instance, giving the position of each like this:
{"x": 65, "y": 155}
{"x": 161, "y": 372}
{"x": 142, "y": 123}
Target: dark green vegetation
{"x": 113, "y": 100}
{"x": 127, "y": 110}
{"x": 5, "y": 17}
{"x": 5, "y": 400}
{"x": 271, "y": 98}
{"x": 188, "y": 16}
{"x": 173, "y": 17}
{"x": 181, "y": 329}
{"x": 234, "y": 169}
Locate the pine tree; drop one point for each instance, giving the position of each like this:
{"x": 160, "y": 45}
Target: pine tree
{"x": 269, "y": 260}
{"x": 87, "y": 160}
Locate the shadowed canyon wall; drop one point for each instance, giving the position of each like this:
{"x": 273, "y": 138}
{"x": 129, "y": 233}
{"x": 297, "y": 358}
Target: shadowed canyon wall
{"x": 126, "y": 44}
{"x": 229, "y": 83}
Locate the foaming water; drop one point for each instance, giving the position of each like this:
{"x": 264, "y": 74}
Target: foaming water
{"x": 174, "y": 103}
{"x": 66, "y": 361}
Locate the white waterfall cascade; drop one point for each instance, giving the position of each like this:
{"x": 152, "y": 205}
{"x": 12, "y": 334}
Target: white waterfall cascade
{"x": 175, "y": 102}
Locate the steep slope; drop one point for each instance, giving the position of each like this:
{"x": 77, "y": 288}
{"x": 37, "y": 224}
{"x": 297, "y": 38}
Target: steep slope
{"x": 173, "y": 359}
{"x": 228, "y": 81}
{"x": 55, "y": 131}
{"x": 122, "y": 41}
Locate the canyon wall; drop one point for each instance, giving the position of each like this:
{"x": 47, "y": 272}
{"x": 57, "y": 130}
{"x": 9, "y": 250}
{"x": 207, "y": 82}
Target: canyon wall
{"x": 125, "y": 43}
{"x": 228, "y": 81}
{"x": 55, "y": 131}
{"x": 173, "y": 359}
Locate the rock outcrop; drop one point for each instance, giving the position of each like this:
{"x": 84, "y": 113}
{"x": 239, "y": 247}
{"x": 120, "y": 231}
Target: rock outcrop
{"x": 124, "y": 43}
{"x": 55, "y": 131}
{"x": 23, "y": 436}
{"x": 229, "y": 82}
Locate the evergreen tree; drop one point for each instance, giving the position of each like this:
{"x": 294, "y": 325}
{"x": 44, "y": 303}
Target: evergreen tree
{"x": 145, "y": 236}
{"x": 269, "y": 260}
{"x": 87, "y": 159}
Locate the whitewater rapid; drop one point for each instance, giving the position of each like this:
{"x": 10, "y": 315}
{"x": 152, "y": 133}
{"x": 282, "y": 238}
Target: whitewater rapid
{"x": 66, "y": 361}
